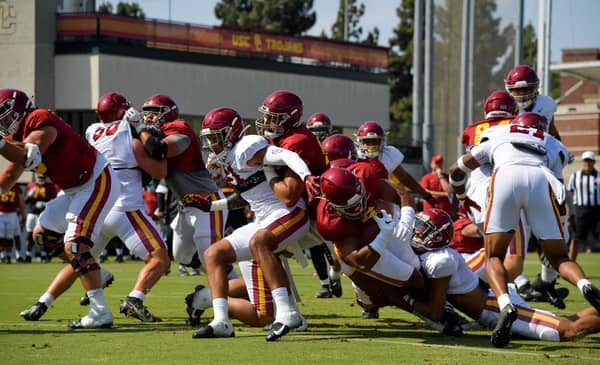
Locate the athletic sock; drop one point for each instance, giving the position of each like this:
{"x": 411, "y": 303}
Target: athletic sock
{"x": 137, "y": 294}
{"x": 581, "y": 283}
{"x": 220, "y": 309}
{"x": 503, "y": 301}
{"x": 47, "y": 299}
{"x": 520, "y": 281}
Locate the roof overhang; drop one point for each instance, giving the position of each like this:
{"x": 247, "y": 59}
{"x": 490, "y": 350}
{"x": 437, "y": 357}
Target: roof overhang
{"x": 585, "y": 70}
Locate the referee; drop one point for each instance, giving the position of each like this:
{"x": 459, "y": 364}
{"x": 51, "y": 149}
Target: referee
{"x": 584, "y": 186}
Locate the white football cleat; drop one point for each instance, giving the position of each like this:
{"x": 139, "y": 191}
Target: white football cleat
{"x": 215, "y": 329}
{"x": 96, "y": 318}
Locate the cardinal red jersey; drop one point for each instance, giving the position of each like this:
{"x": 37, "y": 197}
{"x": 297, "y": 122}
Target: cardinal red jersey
{"x": 462, "y": 243}
{"x": 472, "y": 134}
{"x": 9, "y": 201}
{"x": 69, "y": 160}
{"x": 377, "y": 165}
{"x": 305, "y": 144}
{"x": 191, "y": 158}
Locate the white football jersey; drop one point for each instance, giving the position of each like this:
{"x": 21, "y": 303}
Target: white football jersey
{"x": 236, "y": 171}
{"x": 391, "y": 158}
{"x": 543, "y": 105}
{"x": 515, "y": 145}
{"x": 115, "y": 142}
{"x": 446, "y": 262}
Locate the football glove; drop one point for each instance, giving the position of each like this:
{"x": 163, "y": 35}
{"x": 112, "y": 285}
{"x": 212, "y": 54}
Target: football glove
{"x": 196, "y": 201}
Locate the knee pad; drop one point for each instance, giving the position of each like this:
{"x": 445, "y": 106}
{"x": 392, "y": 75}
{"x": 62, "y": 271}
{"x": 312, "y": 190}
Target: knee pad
{"x": 49, "y": 240}
{"x": 80, "y": 240}
{"x": 83, "y": 263}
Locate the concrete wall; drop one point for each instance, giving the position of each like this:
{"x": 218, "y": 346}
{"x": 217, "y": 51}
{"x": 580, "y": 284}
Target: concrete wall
{"x": 197, "y": 88}
{"x": 17, "y": 41}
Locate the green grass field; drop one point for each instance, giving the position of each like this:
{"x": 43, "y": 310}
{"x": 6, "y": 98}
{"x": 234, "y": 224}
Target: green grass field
{"x": 336, "y": 332}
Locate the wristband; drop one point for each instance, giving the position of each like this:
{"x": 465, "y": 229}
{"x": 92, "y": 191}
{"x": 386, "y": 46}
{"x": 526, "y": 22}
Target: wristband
{"x": 457, "y": 183}
{"x": 220, "y": 204}
{"x": 461, "y": 165}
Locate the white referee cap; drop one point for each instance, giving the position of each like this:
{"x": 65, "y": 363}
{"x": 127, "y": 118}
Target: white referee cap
{"x": 588, "y": 155}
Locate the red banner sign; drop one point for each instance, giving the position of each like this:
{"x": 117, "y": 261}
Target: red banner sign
{"x": 196, "y": 38}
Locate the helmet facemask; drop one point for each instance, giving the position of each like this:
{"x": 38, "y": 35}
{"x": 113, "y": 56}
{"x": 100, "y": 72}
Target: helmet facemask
{"x": 523, "y": 93}
{"x": 7, "y": 114}
{"x": 354, "y": 207}
{"x": 156, "y": 111}
{"x": 321, "y": 132}
{"x": 370, "y": 146}
{"x": 216, "y": 141}
{"x": 427, "y": 235}
{"x": 271, "y": 125}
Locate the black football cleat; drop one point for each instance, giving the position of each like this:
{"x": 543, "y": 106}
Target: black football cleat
{"x": 371, "y": 313}
{"x": 216, "y": 330}
{"x": 35, "y": 312}
{"x": 336, "y": 287}
{"x": 501, "y": 334}
{"x": 592, "y": 295}
{"x": 324, "y": 292}
{"x": 133, "y": 307}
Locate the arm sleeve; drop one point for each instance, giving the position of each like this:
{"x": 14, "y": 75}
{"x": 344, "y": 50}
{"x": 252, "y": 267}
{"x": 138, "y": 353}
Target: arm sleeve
{"x": 280, "y": 157}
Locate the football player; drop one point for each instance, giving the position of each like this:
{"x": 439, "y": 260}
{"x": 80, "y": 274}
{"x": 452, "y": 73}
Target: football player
{"x": 526, "y": 161}
{"x": 43, "y": 142}
{"x": 371, "y": 145}
{"x": 165, "y": 136}
{"x": 39, "y": 193}
{"x": 373, "y": 245}
{"x": 279, "y": 120}
{"x": 522, "y": 83}
{"x": 320, "y": 125}
{"x": 449, "y": 279}
{"x": 248, "y": 164}
{"x": 12, "y": 215}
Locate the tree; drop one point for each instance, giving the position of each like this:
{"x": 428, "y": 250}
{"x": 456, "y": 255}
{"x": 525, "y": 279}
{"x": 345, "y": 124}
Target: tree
{"x": 286, "y": 17}
{"x": 123, "y": 9}
{"x": 355, "y": 12}
{"x": 399, "y": 70}
{"x": 530, "y": 58}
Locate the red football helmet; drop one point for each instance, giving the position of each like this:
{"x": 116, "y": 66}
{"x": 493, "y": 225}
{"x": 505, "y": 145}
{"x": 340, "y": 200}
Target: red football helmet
{"x": 111, "y": 106}
{"x": 500, "y": 104}
{"x": 159, "y": 109}
{"x": 221, "y": 127}
{"x": 280, "y": 112}
{"x": 344, "y": 193}
{"x": 320, "y": 125}
{"x": 14, "y": 106}
{"x": 339, "y": 146}
{"x": 531, "y": 120}
{"x": 522, "y": 83}
{"x": 433, "y": 229}
{"x": 370, "y": 138}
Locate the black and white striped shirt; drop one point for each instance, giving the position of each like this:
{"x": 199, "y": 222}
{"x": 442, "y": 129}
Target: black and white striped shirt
{"x": 585, "y": 188}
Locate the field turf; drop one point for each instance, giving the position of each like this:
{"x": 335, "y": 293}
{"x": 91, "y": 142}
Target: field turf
{"x": 336, "y": 334}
